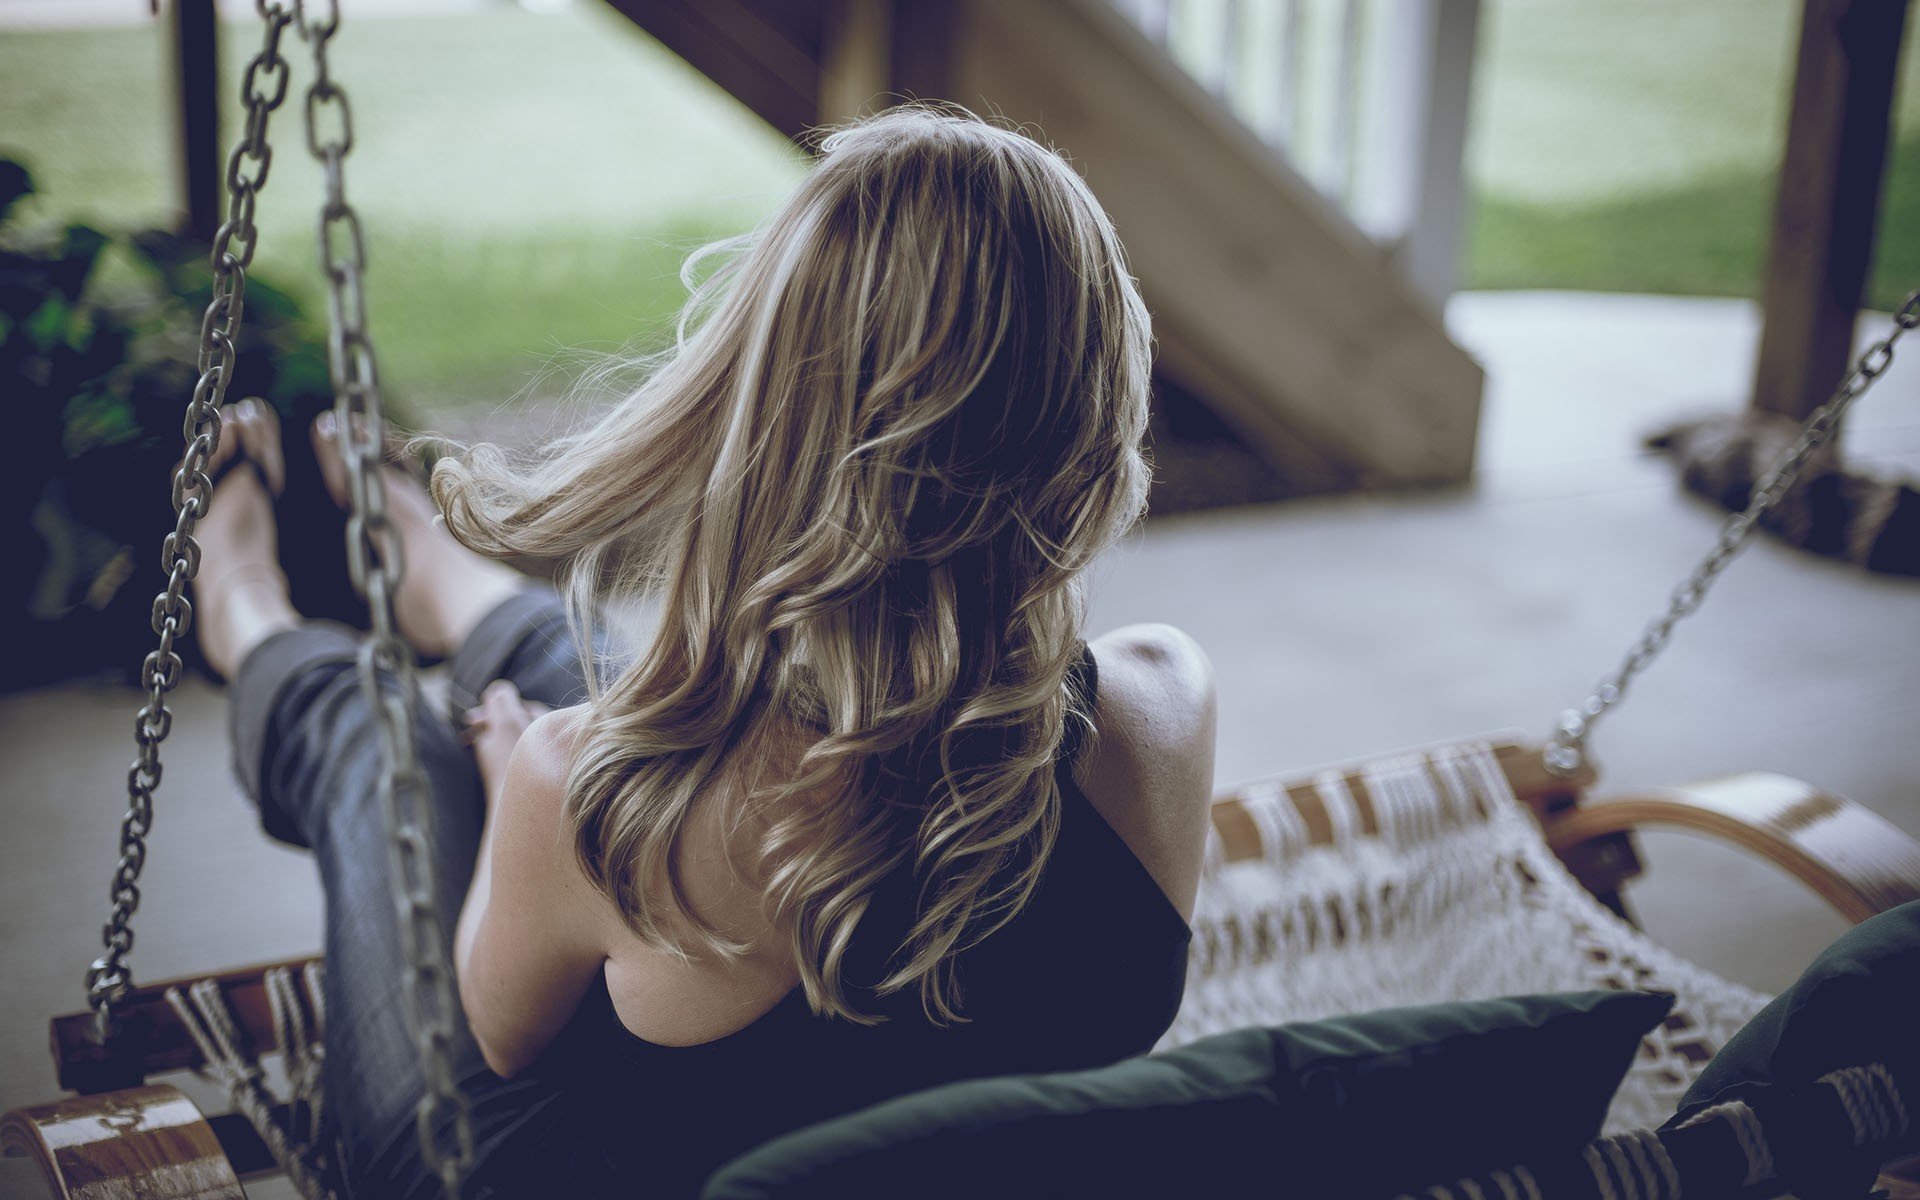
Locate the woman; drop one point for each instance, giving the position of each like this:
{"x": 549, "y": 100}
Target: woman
{"x": 866, "y": 814}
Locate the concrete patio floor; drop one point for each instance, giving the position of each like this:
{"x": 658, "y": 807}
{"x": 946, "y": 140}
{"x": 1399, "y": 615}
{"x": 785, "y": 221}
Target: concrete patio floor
{"x": 1338, "y": 628}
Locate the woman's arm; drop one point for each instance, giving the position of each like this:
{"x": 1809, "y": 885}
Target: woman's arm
{"x": 531, "y": 935}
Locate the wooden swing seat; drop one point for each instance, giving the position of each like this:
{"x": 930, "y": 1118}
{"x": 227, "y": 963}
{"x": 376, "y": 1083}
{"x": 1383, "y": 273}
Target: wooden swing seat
{"x": 119, "y": 1132}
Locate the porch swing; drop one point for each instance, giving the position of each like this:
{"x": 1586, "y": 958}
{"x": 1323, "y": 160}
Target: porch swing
{"x": 1453, "y": 872}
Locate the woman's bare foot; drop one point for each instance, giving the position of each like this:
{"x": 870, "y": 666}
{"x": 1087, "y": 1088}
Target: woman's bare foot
{"x": 446, "y": 588}
{"x": 240, "y": 593}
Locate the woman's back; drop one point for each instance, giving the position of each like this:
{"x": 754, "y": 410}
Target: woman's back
{"x": 1090, "y": 971}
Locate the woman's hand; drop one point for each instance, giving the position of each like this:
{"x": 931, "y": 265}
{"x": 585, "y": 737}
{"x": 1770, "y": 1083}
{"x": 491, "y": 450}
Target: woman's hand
{"x": 494, "y": 729}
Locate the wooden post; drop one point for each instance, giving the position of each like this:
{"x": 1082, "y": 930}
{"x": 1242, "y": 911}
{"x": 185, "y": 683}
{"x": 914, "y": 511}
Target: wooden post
{"x": 1829, "y": 195}
{"x": 196, "y": 90}
{"x": 1414, "y": 200}
{"x": 855, "y": 59}
{"x": 875, "y": 53}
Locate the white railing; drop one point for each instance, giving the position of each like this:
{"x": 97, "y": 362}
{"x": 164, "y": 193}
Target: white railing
{"x": 1366, "y": 99}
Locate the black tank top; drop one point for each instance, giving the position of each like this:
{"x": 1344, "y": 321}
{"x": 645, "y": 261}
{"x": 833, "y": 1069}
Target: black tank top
{"x": 1090, "y": 971}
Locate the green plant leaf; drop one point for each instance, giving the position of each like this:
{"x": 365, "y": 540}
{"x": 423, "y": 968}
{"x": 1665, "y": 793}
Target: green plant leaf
{"x": 96, "y": 419}
{"x": 80, "y": 247}
{"x": 15, "y": 182}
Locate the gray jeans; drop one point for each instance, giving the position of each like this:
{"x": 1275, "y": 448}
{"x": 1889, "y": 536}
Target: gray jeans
{"x": 307, "y": 751}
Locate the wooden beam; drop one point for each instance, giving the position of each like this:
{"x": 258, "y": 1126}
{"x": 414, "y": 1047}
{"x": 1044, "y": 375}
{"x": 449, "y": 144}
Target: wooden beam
{"x": 196, "y": 91}
{"x": 1829, "y": 196}
{"x": 1307, "y": 465}
{"x": 925, "y": 62}
{"x": 764, "y": 52}
{"x": 1247, "y": 268}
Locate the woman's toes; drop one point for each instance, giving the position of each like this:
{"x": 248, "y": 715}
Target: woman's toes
{"x": 259, "y": 430}
{"x": 325, "y": 436}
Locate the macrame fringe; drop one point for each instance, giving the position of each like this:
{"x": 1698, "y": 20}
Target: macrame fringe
{"x": 297, "y": 1012}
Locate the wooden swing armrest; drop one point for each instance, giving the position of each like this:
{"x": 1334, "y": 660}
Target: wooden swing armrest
{"x": 1521, "y": 762}
{"x": 1857, "y": 860}
{"x": 150, "y": 1039}
{"x": 145, "y": 1141}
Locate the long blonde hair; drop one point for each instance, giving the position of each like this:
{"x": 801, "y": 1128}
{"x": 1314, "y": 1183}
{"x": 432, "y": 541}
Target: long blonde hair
{"x": 898, "y": 421}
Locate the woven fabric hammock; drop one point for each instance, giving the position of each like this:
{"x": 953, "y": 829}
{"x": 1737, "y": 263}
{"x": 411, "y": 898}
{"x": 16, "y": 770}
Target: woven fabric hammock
{"x": 1449, "y": 893}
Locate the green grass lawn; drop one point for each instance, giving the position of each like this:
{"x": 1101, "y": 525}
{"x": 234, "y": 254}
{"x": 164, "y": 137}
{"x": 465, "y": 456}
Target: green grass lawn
{"x": 1632, "y": 145}
{"x": 530, "y": 183}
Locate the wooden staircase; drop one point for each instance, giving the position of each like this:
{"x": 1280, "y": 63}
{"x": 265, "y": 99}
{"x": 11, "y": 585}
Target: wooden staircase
{"x": 1269, "y": 304}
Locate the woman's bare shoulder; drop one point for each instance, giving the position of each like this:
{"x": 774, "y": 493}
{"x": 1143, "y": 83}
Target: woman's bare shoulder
{"x": 1150, "y": 767}
{"x": 533, "y": 826}
{"x": 543, "y": 757}
{"x": 1160, "y": 682}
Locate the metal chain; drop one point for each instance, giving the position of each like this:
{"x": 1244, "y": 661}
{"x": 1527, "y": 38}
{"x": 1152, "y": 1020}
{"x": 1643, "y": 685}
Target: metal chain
{"x": 386, "y": 662}
{"x": 1566, "y": 749}
{"x": 262, "y": 90}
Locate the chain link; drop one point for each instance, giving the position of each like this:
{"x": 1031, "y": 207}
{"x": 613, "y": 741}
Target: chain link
{"x": 109, "y": 979}
{"x": 386, "y": 666}
{"x": 1566, "y": 748}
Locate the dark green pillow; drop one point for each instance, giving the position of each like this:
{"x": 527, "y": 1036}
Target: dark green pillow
{"x": 1854, "y": 1006}
{"x": 1369, "y": 1104}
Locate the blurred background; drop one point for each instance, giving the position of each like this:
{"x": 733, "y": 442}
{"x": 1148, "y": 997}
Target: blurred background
{"x": 532, "y": 175}
{"x": 1425, "y": 274}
